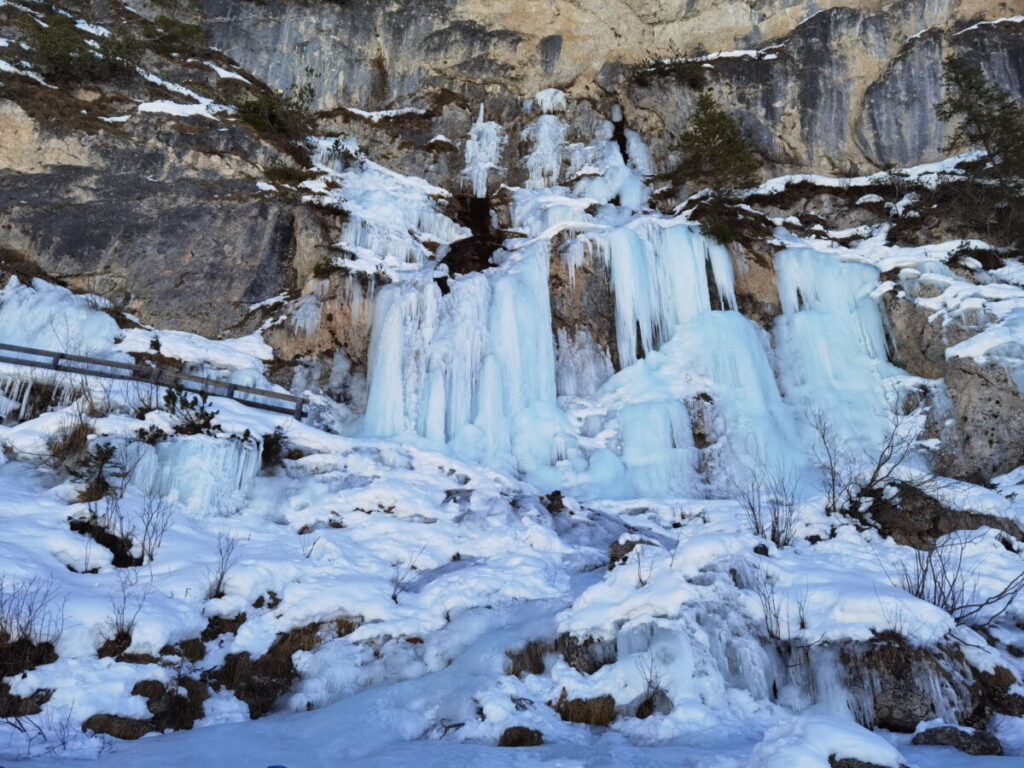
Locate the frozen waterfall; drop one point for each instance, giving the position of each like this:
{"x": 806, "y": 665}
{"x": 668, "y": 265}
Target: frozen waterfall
{"x": 473, "y": 369}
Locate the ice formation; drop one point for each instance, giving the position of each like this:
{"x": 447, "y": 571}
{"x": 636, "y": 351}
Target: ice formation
{"x": 479, "y": 371}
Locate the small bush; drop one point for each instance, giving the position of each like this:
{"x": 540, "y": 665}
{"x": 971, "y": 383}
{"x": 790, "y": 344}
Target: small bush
{"x": 62, "y": 55}
{"x": 274, "y": 444}
{"x": 715, "y": 151}
{"x": 71, "y": 441}
{"x": 181, "y": 36}
{"x": 324, "y": 268}
{"x": 94, "y": 470}
{"x": 31, "y": 622}
{"x": 285, "y": 115}
{"x": 986, "y": 116}
{"x": 151, "y": 435}
{"x": 283, "y": 173}
{"x": 657, "y": 71}
{"x": 193, "y": 413}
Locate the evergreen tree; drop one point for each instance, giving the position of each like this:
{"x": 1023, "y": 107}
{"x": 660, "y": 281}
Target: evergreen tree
{"x": 715, "y": 151}
{"x": 987, "y": 116}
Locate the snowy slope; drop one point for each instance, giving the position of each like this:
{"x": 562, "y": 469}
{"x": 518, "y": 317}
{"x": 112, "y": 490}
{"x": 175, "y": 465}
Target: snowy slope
{"x": 436, "y": 588}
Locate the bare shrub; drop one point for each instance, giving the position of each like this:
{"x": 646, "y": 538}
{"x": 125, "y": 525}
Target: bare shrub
{"x": 651, "y": 673}
{"x": 644, "y": 564}
{"x": 227, "y": 546}
{"x": 31, "y": 611}
{"x": 834, "y": 463}
{"x": 769, "y": 505}
{"x": 847, "y": 475}
{"x": 764, "y": 583}
{"x": 942, "y": 577}
{"x": 69, "y": 444}
{"x": 154, "y": 521}
{"x": 126, "y": 602}
{"x": 402, "y": 574}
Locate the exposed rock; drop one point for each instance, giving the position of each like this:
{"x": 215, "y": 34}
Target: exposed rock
{"x": 119, "y": 727}
{"x": 597, "y": 711}
{"x": 836, "y": 85}
{"x": 22, "y": 706}
{"x": 850, "y": 762}
{"x": 528, "y": 660}
{"x": 171, "y": 709}
{"x": 520, "y": 736}
{"x": 261, "y": 681}
{"x": 986, "y": 434}
{"x": 968, "y": 740}
{"x": 916, "y": 519}
{"x": 582, "y": 303}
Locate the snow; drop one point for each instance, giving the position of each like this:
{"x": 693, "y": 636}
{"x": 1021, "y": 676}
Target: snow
{"x": 387, "y": 114}
{"x": 92, "y": 29}
{"x": 176, "y": 108}
{"x": 810, "y": 742}
{"x": 980, "y": 24}
{"x": 423, "y": 526}
{"x": 225, "y": 74}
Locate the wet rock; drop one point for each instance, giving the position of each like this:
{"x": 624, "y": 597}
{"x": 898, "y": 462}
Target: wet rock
{"x": 968, "y": 740}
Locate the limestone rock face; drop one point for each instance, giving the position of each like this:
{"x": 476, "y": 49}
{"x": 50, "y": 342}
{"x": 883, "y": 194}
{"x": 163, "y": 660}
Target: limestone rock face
{"x": 168, "y": 224}
{"x": 824, "y": 86}
{"x": 980, "y": 417}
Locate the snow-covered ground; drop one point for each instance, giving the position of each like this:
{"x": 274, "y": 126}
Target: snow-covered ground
{"x": 420, "y": 543}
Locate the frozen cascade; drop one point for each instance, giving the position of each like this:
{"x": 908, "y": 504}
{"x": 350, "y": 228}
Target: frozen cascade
{"x": 831, "y": 342}
{"x": 198, "y": 472}
{"x": 474, "y": 369}
{"x": 544, "y": 162}
{"x": 479, "y": 370}
{"x": 659, "y": 277}
{"x": 391, "y": 217}
{"x": 657, "y": 448}
{"x": 483, "y": 149}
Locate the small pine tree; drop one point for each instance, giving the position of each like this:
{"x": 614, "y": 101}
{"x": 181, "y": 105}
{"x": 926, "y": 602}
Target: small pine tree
{"x": 193, "y": 414}
{"x": 715, "y": 150}
{"x": 94, "y": 470}
{"x": 987, "y": 116}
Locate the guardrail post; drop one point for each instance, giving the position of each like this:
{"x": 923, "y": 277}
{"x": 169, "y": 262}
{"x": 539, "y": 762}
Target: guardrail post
{"x": 298, "y": 409}
{"x": 56, "y": 361}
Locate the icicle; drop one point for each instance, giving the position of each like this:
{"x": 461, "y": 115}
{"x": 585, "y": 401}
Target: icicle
{"x": 831, "y": 341}
{"x": 483, "y": 148}
{"x": 462, "y": 368}
{"x": 544, "y": 162}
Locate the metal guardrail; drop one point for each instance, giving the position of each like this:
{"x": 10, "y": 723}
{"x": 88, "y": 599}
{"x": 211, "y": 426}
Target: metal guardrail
{"x": 150, "y": 373}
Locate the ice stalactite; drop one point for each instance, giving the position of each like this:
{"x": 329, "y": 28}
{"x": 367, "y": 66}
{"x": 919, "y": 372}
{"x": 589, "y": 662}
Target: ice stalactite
{"x": 473, "y": 369}
{"x": 659, "y": 278}
{"x": 199, "y": 472}
{"x": 831, "y": 342}
{"x": 483, "y": 152}
{"x": 392, "y": 220}
{"x": 544, "y": 163}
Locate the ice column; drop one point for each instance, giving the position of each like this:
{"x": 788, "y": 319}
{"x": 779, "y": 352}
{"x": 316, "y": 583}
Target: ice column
{"x": 483, "y": 148}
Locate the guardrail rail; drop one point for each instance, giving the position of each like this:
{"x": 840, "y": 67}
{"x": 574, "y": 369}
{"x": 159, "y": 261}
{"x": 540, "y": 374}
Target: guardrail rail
{"x": 154, "y": 374}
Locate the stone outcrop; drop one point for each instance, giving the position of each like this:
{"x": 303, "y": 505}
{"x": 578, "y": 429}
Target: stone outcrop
{"x": 979, "y": 411}
{"x": 829, "y": 86}
{"x": 968, "y": 740}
